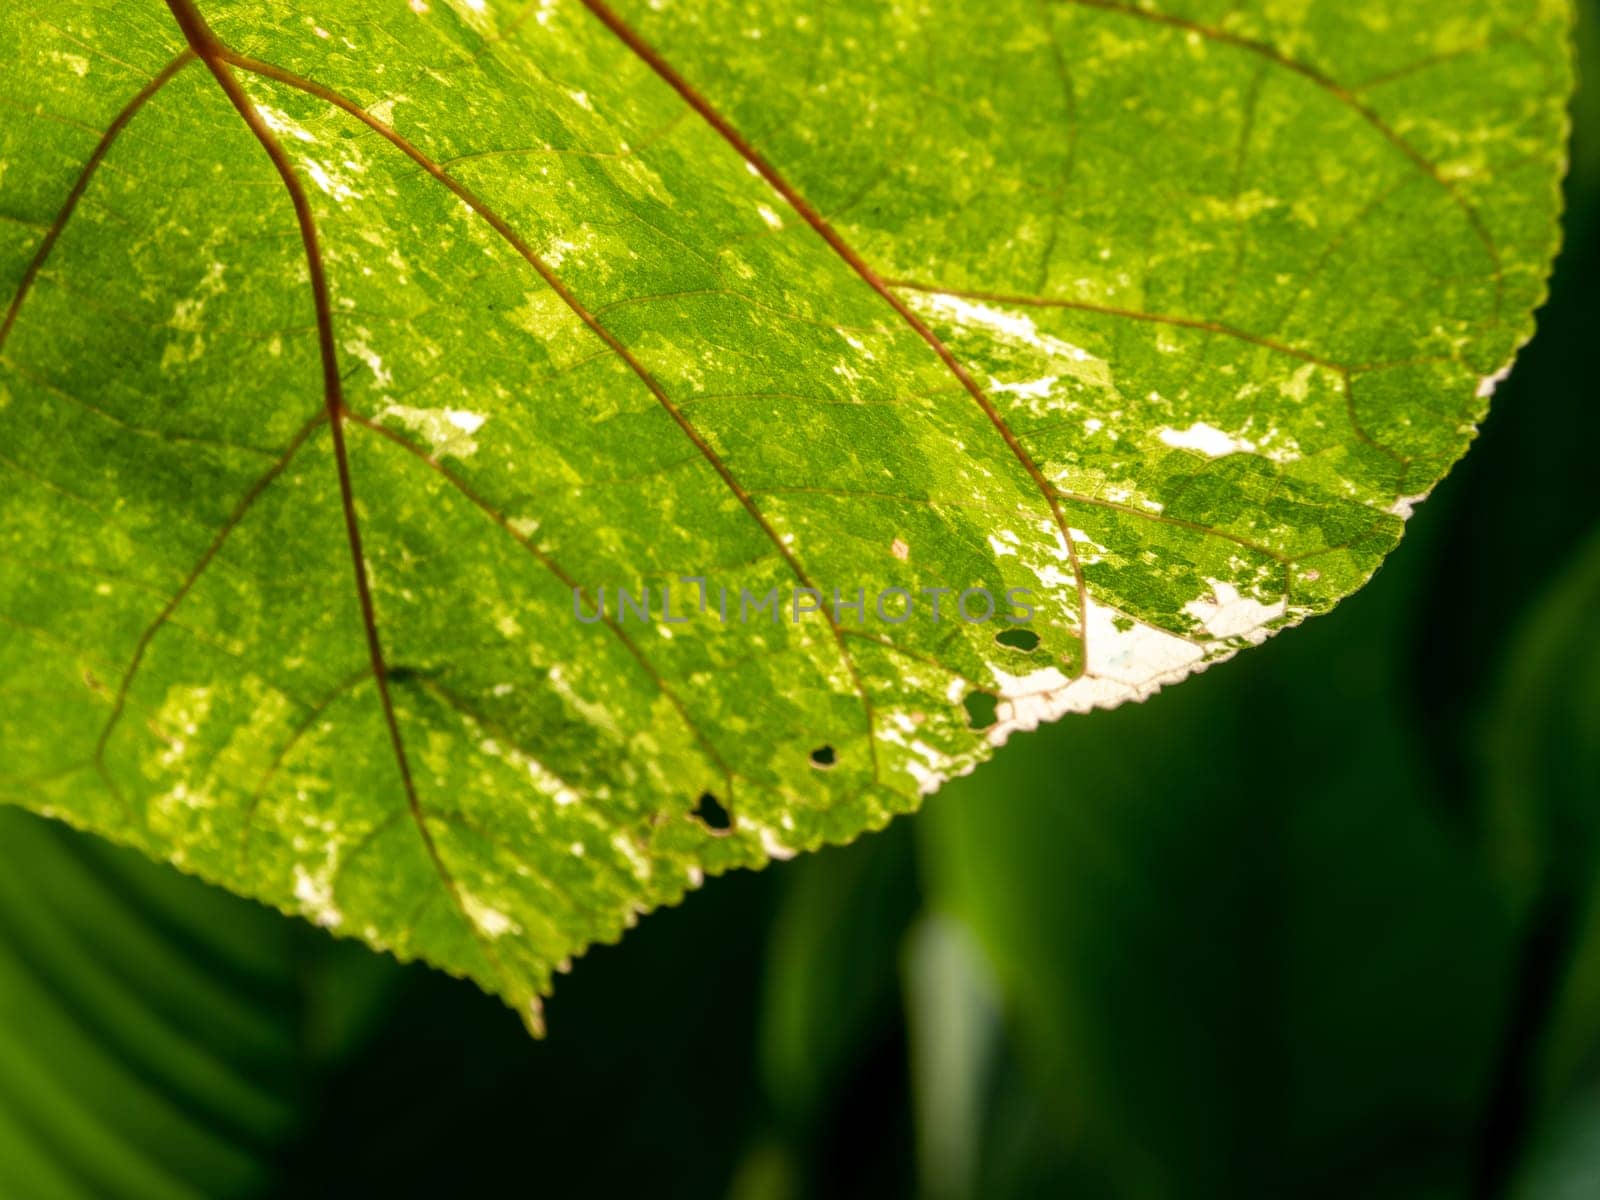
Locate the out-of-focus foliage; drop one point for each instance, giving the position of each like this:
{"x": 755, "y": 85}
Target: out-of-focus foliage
{"x": 157, "y": 1037}
{"x": 1542, "y": 769}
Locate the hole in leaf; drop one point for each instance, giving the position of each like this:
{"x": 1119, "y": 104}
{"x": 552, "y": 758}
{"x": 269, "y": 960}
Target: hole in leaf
{"x": 712, "y": 815}
{"x": 1025, "y": 640}
{"x": 823, "y": 757}
{"x": 982, "y": 709}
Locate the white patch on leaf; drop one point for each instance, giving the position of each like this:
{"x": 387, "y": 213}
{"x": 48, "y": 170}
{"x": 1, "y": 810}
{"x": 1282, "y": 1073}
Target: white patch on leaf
{"x": 490, "y": 921}
{"x": 773, "y": 847}
{"x": 1031, "y": 389}
{"x": 448, "y": 431}
{"x": 1229, "y": 614}
{"x": 1018, "y": 330}
{"x": 315, "y": 893}
{"x": 1132, "y": 661}
{"x": 1128, "y": 660}
{"x": 545, "y": 781}
{"x": 1215, "y": 443}
{"x": 1406, "y": 506}
{"x": 624, "y": 845}
{"x": 1202, "y": 439}
{"x": 1488, "y": 384}
{"x": 927, "y": 765}
{"x": 281, "y": 123}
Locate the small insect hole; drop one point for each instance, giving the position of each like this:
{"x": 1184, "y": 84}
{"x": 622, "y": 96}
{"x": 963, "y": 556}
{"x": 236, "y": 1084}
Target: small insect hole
{"x": 1025, "y": 640}
{"x": 823, "y": 757}
{"x": 712, "y": 815}
{"x": 982, "y": 709}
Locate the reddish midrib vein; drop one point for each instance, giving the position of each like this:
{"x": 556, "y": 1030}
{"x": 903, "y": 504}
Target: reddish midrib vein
{"x": 215, "y": 56}
{"x": 30, "y": 273}
{"x": 470, "y": 198}
{"x": 669, "y": 75}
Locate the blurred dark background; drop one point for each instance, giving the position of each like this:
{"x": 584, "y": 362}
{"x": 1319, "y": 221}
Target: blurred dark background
{"x": 1322, "y": 922}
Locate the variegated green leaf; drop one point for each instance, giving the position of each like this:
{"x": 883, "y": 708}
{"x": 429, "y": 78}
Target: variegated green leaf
{"x": 347, "y": 339}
